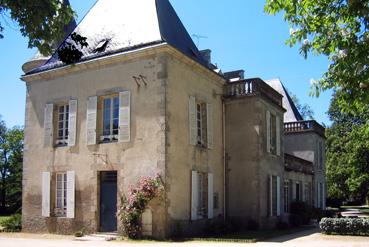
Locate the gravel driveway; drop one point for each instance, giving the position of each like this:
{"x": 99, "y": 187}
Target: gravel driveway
{"x": 309, "y": 238}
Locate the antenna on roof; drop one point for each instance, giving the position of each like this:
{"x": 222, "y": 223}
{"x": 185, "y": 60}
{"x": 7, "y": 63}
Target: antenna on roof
{"x": 198, "y": 37}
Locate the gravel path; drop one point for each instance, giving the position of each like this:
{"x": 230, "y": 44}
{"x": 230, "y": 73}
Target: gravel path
{"x": 309, "y": 238}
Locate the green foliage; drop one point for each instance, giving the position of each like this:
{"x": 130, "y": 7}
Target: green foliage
{"x": 340, "y": 30}
{"x": 70, "y": 52}
{"x": 347, "y": 160}
{"x": 12, "y": 223}
{"x": 42, "y": 21}
{"x": 11, "y": 158}
{"x": 305, "y": 110}
{"x": 345, "y": 226}
{"x": 136, "y": 203}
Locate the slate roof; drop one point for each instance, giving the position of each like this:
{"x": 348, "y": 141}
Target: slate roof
{"x": 113, "y": 26}
{"x": 292, "y": 114}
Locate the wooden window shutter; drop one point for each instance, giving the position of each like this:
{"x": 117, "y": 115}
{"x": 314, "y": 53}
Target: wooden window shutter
{"x": 70, "y": 194}
{"x": 192, "y": 121}
{"x": 72, "y": 128}
{"x": 278, "y": 196}
{"x": 46, "y": 194}
{"x": 210, "y": 196}
{"x": 210, "y": 126}
{"x": 91, "y": 120}
{"x": 270, "y": 195}
{"x": 278, "y": 135}
{"x": 48, "y": 125}
{"x": 125, "y": 116}
{"x": 268, "y": 130}
{"x": 194, "y": 195}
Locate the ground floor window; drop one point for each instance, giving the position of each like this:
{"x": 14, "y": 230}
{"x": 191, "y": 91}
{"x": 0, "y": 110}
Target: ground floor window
{"x": 286, "y": 193}
{"x": 298, "y": 191}
{"x": 202, "y": 210}
{"x": 61, "y": 194}
{"x": 307, "y": 193}
{"x": 273, "y": 196}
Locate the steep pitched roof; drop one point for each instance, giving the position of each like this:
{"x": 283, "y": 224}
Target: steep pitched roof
{"x": 113, "y": 26}
{"x": 292, "y": 114}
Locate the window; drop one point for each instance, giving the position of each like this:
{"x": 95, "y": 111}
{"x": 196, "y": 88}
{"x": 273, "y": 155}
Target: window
{"x": 307, "y": 192}
{"x": 298, "y": 191}
{"x": 63, "y": 124}
{"x": 320, "y": 155}
{"x": 201, "y": 124}
{"x": 273, "y": 196}
{"x": 286, "y": 196}
{"x": 202, "y": 210}
{"x": 61, "y": 194}
{"x": 110, "y": 123}
{"x": 273, "y": 133}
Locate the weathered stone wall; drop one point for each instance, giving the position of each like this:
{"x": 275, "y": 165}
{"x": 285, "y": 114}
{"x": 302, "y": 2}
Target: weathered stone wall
{"x": 305, "y": 146}
{"x": 185, "y": 80}
{"x": 143, "y": 156}
{"x": 249, "y": 164}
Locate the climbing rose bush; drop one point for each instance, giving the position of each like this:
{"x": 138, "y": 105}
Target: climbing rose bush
{"x": 136, "y": 202}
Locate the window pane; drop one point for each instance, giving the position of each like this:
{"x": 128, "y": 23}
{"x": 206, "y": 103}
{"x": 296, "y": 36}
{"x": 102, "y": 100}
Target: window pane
{"x": 61, "y": 109}
{"x": 107, "y": 116}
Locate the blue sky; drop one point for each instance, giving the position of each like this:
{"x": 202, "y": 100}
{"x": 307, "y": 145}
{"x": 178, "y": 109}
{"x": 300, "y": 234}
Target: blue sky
{"x": 239, "y": 33}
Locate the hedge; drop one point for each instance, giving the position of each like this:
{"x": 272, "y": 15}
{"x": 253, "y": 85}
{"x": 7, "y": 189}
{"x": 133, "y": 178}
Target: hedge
{"x": 345, "y": 226}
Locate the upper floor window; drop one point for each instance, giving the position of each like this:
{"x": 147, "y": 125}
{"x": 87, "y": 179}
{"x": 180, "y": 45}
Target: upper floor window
{"x": 110, "y": 118}
{"x": 320, "y": 155}
{"x": 63, "y": 124}
{"x": 200, "y": 123}
{"x": 273, "y": 133}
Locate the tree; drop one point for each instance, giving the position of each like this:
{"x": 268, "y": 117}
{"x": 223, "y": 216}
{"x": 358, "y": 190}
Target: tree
{"x": 41, "y": 21}
{"x": 338, "y": 29}
{"x": 347, "y": 154}
{"x": 11, "y": 158}
{"x": 305, "y": 110}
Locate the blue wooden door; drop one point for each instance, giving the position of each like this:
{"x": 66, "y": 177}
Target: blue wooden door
{"x": 108, "y": 201}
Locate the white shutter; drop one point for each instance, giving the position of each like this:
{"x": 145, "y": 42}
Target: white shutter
{"x": 125, "y": 116}
{"x": 91, "y": 120}
{"x": 72, "y": 123}
{"x": 194, "y": 195}
{"x": 271, "y": 195}
{"x": 278, "y": 196}
{"x": 210, "y": 196}
{"x": 278, "y": 135}
{"x": 210, "y": 125}
{"x": 70, "y": 194}
{"x": 192, "y": 120}
{"x": 46, "y": 194}
{"x": 48, "y": 125}
{"x": 323, "y": 196}
{"x": 268, "y": 130}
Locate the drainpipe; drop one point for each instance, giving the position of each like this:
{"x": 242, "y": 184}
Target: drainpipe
{"x": 224, "y": 164}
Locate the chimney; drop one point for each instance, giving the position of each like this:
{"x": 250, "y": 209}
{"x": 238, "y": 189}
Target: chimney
{"x": 206, "y": 54}
{"x": 236, "y": 75}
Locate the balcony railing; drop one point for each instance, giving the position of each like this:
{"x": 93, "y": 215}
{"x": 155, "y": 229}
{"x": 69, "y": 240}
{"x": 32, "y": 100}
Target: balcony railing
{"x": 251, "y": 87}
{"x": 304, "y": 126}
{"x": 296, "y": 164}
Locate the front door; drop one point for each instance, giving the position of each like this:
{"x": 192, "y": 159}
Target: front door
{"x": 108, "y": 201}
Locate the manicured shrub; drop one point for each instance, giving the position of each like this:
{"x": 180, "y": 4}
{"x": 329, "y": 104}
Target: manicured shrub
{"x": 302, "y": 211}
{"x": 345, "y": 226}
{"x": 12, "y": 224}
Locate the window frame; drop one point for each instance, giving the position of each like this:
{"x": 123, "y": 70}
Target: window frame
{"x": 61, "y": 210}
{"x": 202, "y": 210}
{"x": 111, "y": 137}
{"x": 286, "y": 196}
{"x": 63, "y": 139}
{"x": 201, "y": 124}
